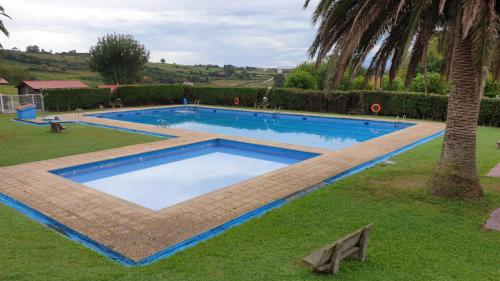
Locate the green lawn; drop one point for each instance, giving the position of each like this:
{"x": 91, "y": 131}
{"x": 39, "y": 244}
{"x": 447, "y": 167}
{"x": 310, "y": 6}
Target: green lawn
{"x": 415, "y": 237}
{"x": 8, "y": 89}
{"x": 20, "y": 143}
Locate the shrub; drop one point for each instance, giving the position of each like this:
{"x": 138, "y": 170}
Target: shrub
{"x": 413, "y": 105}
{"x": 174, "y": 94}
{"x": 301, "y": 79}
{"x": 436, "y": 84}
{"x": 150, "y": 94}
{"x": 225, "y": 96}
{"x": 492, "y": 88}
{"x": 397, "y": 84}
{"x": 70, "y": 99}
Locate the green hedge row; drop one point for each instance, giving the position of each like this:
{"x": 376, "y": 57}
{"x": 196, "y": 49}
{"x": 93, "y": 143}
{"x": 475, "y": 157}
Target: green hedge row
{"x": 174, "y": 94}
{"x": 70, "y": 99}
{"x": 359, "y": 102}
{"x": 413, "y": 105}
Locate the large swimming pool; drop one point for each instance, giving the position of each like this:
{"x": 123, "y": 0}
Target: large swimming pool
{"x": 323, "y": 132}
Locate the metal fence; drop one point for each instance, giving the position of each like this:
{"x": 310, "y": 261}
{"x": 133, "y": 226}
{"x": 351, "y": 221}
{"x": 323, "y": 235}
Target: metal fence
{"x": 8, "y": 103}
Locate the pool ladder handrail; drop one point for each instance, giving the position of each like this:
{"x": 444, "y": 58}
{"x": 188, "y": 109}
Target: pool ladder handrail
{"x": 397, "y": 123}
{"x": 78, "y": 112}
{"x": 161, "y": 123}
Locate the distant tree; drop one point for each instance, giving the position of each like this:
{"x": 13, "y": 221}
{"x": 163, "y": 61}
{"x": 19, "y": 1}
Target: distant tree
{"x": 319, "y": 73}
{"x": 14, "y": 73}
{"x": 32, "y": 49}
{"x": 279, "y": 80}
{"x": 435, "y": 84}
{"x": 300, "y": 79}
{"x": 162, "y": 60}
{"x": 229, "y": 70}
{"x": 119, "y": 58}
{"x": 72, "y": 52}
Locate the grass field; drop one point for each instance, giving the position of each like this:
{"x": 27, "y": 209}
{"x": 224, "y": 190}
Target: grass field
{"x": 22, "y": 143}
{"x": 8, "y": 89}
{"x": 415, "y": 237}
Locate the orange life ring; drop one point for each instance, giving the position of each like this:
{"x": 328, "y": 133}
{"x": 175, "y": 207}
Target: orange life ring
{"x": 376, "y": 108}
{"x": 237, "y": 101}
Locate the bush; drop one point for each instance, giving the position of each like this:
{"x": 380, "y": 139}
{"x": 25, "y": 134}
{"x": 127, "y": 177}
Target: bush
{"x": 492, "y": 88}
{"x": 301, "y": 79}
{"x": 225, "y": 96}
{"x": 174, "y": 94}
{"x": 397, "y": 84}
{"x": 490, "y": 112}
{"x": 70, "y": 99}
{"x": 150, "y": 94}
{"x": 436, "y": 84}
{"x": 413, "y": 105}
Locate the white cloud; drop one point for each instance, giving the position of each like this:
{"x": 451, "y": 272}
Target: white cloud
{"x": 259, "y": 32}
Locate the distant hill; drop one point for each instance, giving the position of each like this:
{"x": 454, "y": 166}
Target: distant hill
{"x": 72, "y": 65}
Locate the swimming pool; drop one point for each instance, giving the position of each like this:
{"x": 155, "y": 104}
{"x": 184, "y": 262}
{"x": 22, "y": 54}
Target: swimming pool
{"x": 322, "y": 132}
{"x": 159, "y": 179}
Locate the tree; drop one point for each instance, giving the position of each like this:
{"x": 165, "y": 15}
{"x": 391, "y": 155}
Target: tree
{"x": 229, "y": 70}
{"x": 162, "y": 60}
{"x": 3, "y": 29}
{"x": 32, "y": 49}
{"x": 279, "y": 80}
{"x": 14, "y": 73}
{"x": 349, "y": 29}
{"x": 300, "y": 79}
{"x": 119, "y": 58}
{"x": 435, "y": 84}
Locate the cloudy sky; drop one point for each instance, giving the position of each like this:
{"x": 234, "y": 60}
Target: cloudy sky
{"x": 268, "y": 33}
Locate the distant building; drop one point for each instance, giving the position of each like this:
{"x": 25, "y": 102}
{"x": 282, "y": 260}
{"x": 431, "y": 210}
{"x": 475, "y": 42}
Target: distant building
{"x": 188, "y": 83}
{"x": 3, "y": 81}
{"x": 111, "y": 87}
{"x": 37, "y": 86}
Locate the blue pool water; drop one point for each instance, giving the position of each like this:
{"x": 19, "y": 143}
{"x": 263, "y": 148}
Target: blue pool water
{"x": 323, "y": 132}
{"x": 159, "y": 179}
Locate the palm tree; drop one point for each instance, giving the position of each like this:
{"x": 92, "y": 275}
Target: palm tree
{"x": 349, "y": 29}
{"x": 2, "y": 26}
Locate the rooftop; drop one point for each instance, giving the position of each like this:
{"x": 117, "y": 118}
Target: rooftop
{"x": 53, "y": 84}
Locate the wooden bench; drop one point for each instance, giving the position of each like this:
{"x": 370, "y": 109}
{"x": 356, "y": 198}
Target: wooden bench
{"x": 328, "y": 258}
{"x": 56, "y": 127}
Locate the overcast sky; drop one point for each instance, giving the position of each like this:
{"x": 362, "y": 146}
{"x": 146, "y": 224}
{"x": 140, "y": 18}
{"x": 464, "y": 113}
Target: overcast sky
{"x": 268, "y": 33}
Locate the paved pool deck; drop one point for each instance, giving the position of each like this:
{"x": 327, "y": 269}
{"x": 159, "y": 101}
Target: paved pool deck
{"x": 137, "y": 232}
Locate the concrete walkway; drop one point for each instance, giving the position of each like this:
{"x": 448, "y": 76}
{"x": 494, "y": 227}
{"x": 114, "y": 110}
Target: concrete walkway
{"x": 494, "y": 221}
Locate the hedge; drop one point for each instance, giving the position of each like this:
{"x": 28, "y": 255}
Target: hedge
{"x": 150, "y": 94}
{"x": 174, "y": 94}
{"x": 413, "y": 105}
{"x": 70, "y": 99}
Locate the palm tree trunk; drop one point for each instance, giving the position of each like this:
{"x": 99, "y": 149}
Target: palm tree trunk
{"x": 456, "y": 173}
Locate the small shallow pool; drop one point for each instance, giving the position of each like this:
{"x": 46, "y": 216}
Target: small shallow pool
{"x": 160, "y": 179}
{"x": 322, "y": 132}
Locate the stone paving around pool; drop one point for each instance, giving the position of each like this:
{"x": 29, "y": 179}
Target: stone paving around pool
{"x": 137, "y": 232}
